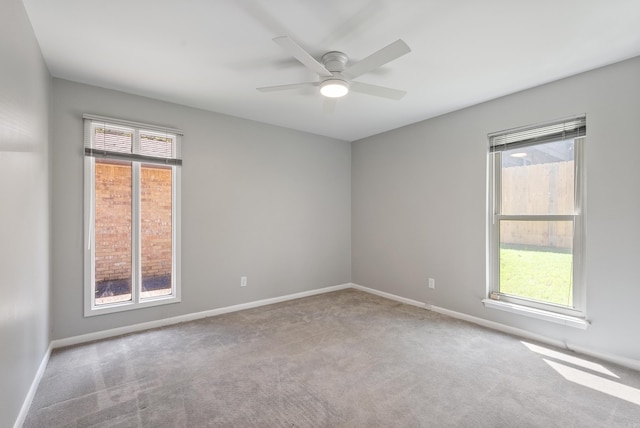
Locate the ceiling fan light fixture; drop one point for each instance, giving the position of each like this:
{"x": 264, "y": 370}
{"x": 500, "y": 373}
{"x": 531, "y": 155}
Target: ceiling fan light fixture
{"x": 334, "y": 88}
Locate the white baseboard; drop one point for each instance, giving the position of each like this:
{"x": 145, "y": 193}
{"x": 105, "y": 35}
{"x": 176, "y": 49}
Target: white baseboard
{"x": 623, "y": 361}
{"x": 90, "y": 337}
{"x": 24, "y": 410}
{"x": 390, "y": 296}
{"x": 498, "y": 326}
{"x": 616, "y": 359}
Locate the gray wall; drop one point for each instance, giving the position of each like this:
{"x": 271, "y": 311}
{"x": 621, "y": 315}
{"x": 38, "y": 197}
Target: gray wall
{"x": 276, "y": 205}
{"x": 419, "y": 205}
{"x": 24, "y": 209}
{"x": 259, "y": 201}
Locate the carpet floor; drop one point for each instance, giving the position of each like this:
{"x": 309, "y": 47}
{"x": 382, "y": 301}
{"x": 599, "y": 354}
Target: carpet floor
{"x": 341, "y": 359}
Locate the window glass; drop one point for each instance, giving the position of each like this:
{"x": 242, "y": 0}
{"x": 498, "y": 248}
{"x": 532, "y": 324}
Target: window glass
{"x": 156, "y": 230}
{"x": 113, "y": 252}
{"x": 538, "y": 179}
{"x": 536, "y": 226}
{"x": 132, "y": 213}
{"x": 536, "y": 260}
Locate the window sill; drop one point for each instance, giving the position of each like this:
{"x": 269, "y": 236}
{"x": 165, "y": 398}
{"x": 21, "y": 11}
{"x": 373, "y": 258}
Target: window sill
{"x": 129, "y": 306}
{"x": 540, "y": 314}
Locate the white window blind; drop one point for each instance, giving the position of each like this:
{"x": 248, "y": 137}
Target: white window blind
{"x": 156, "y": 144}
{"x": 112, "y": 139}
{"x": 119, "y": 139}
{"x": 572, "y": 127}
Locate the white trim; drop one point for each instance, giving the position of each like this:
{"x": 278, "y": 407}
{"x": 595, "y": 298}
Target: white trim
{"x": 391, "y": 296}
{"x": 499, "y": 327}
{"x": 458, "y": 315}
{"x": 136, "y": 302}
{"x": 176, "y": 231}
{"x": 104, "y": 334}
{"x": 567, "y": 314}
{"x": 552, "y": 127}
{"x": 540, "y": 314}
{"x": 130, "y": 123}
{"x": 616, "y": 359}
{"x": 31, "y": 393}
{"x": 89, "y": 266}
{"x": 623, "y": 361}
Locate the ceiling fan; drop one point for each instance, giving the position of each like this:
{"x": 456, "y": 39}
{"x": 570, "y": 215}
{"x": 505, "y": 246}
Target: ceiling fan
{"x": 336, "y": 77}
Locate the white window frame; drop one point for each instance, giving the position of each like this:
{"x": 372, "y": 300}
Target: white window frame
{"x": 137, "y": 161}
{"x": 574, "y": 315}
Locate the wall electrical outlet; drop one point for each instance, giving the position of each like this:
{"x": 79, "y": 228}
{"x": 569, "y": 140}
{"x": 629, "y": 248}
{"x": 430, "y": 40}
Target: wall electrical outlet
{"x": 243, "y": 281}
{"x": 432, "y": 283}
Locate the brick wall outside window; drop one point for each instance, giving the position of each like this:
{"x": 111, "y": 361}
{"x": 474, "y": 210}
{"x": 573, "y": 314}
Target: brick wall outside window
{"x": 113, "y": 221}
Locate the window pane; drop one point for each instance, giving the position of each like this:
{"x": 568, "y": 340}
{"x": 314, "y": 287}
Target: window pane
{"x": 113, "y": 139}
{"x": 538, "y": 179}
{"x": 158, "y": 145}
{"x": 155, "y": 218}
{"x": 113, "y": 232}
{"x": 536, "y": 260}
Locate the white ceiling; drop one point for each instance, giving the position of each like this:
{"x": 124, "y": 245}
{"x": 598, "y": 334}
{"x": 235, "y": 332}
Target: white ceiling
{"x": 212, "y": 54}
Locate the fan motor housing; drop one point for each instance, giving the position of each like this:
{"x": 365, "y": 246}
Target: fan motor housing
{"x": 334, "y": 61}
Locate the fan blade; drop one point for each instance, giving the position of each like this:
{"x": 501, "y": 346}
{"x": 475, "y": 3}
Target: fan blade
{"x": 301, "y": 55}
{"x": 377, "y": 59}
{"x": 378, "y": 91}
{"x": 329, "y": 105}
{"x": 285, "y": 87}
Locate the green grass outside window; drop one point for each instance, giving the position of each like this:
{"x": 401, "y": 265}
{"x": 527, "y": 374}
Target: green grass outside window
{"x": 538, "y": 275}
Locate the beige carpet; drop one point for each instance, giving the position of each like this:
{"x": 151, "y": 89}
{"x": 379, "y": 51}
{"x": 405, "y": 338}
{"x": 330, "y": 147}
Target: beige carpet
{"x": 342, "y": 359}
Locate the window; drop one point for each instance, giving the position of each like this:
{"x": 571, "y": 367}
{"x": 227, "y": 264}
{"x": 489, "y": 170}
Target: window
{"x": 132, "y": 215}
{"x": 536, "y": 224}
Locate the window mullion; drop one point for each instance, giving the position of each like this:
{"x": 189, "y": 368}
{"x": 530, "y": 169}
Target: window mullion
{"x": 136, "y": 142}
{"x": 496, "y": 167}
{"x": 579, "y": 299}
{"x": 89, "y": 250}
{"x": 136, "y": 286}
{"x": 92, "y": 225}
{"x": 497, "y": 185}
{"x": 175, "y": 253}
{"x": 537, "y": 217}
